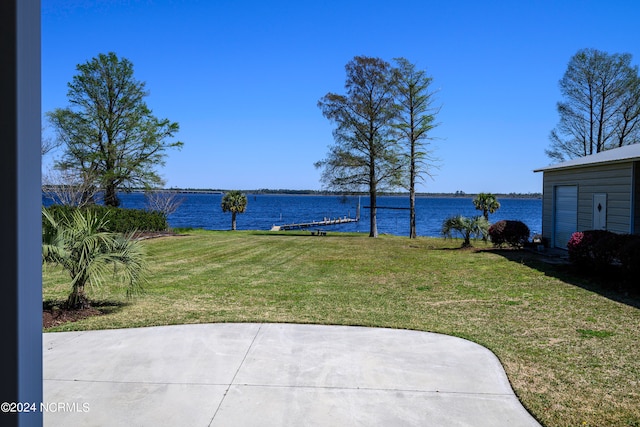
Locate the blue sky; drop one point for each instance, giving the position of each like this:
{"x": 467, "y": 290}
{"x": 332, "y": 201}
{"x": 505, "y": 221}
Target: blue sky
{"x": 243, "y": 78}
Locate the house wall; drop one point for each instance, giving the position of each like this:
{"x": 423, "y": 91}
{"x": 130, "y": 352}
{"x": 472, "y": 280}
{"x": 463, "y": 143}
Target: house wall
{"x": 636, "y": 198}
{"x": 615, "y": 180}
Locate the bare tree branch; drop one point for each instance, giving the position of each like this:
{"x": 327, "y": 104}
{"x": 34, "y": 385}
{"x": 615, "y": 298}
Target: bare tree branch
{"x": 164, "y": 201}
{"x": 601, "y": 106}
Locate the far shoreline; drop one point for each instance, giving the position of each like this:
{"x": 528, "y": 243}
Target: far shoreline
{"x": 457, "y": 194}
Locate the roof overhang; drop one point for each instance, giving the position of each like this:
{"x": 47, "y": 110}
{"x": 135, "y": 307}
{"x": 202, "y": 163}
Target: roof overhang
{"x": 628, "y": 153}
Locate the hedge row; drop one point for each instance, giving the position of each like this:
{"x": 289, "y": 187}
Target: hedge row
{"x": 600, "y": 251}
{"x": 120, "y": 220}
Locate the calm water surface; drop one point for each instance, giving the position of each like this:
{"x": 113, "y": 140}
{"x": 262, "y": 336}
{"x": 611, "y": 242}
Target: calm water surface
{"x": 264, "y": 211}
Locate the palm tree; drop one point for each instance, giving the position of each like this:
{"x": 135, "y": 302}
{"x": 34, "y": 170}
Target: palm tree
{"x": 234, "y": 202}
{"x": 487, "y": 203}
{"x": 477, "y": 226}
{"x": 89, "y": 253}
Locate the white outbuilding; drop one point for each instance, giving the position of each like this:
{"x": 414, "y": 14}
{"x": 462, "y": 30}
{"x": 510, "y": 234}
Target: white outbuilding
{"x": 596, "y": 192}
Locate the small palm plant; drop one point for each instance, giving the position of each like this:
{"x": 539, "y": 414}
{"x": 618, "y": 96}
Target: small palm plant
{"x": 234, "y": 202}
{"x": 487, "y": 203}
{"x": 476, "y": 226}
{"x": 82, "y": 246}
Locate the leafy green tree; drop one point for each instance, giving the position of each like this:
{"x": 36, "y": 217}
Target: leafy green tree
{"x": 416, "y": 118}
{"x": 234, "y": 202}
{"x": 601, "y": 106}
{"x": 476, "y": 227}
{"x": 365, "y": 154}
{"x": 90, "y": 254}
{"x": 487, "y": 203}
{"x": 108, "y": 131}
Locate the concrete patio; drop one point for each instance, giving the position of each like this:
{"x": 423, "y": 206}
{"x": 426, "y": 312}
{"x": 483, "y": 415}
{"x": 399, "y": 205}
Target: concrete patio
{"x": 274, "y": 375}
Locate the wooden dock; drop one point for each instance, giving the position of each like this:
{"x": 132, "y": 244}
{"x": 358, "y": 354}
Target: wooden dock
{"x": 325, "y": 222}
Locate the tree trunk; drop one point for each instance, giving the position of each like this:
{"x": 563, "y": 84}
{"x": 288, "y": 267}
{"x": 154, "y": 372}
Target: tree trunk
{"x": 412, "y": 196}
{"x": 111, "y": 196}
{"x": 233, "y": 221}
{"x": 373, "y": 222}
{"x": 412, "y": 176}
{"x": 373, "y": 190}
{"x": 412, "y": 215}
{"x": 77, "y": 299}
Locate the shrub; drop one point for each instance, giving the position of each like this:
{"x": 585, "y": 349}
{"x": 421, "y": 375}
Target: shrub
{"x": 604, "y": 252}
{"x": 605, "y": 248}
{"x": 119, "y": 220}
{"x": 512, "y": 233}
{"x": 579, "y": 249}
{"x": 127, "y": 220}
{"x": 629, "y": 256}
{"x": 595, "y": 250}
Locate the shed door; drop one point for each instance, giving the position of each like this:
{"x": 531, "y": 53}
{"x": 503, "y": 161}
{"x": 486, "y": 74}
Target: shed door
{"x": 565, "y": 214}
{"x": 599, "y": 211}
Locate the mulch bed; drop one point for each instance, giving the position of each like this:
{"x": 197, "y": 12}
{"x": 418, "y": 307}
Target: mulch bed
{"x": 57, "y": 316}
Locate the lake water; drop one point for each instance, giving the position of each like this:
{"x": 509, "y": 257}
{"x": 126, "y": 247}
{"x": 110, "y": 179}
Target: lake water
{"x": 265, "y": 210}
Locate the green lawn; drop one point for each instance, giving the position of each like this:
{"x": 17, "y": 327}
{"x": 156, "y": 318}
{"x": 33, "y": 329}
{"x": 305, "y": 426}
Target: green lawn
{"x": 570, "y": 349}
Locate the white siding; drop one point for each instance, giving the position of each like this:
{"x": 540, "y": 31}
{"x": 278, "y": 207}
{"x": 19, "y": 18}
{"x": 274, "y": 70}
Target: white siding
{"x": 615, "y": 180}
{"x": 636, "y": 199}
{"x": 565, "y": 214}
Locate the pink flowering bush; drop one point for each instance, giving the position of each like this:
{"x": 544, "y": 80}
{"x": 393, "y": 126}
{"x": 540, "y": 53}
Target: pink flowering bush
{"x": 604, "y": 252}
{"x": 575, "y": 241}
{"x": 579, "y": 249}
{"x": 594, "y": 250}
